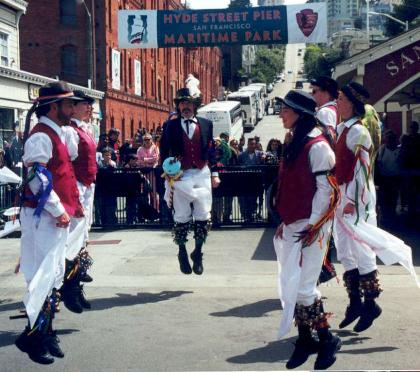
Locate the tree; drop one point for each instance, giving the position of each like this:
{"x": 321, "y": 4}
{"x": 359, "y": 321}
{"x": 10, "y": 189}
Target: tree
{"x": 319, "y": 60}
{"x": 409, "y": 10}
{"x": 268, "y": 63}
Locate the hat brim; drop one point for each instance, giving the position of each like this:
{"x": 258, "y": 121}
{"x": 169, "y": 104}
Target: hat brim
{"x": 58, "y": 99}
{"x": 294, "y": 106}
{"x": 197, "y": 100}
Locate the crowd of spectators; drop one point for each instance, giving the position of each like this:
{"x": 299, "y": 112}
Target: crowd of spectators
{"x": 397, "y": 175}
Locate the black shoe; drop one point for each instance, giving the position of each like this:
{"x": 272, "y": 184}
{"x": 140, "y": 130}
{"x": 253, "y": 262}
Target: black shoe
{"x": 353, "y": 311}
{"x": 327, "y": 350}
{"x": 184, "y": 263}
{"x": 86, "y": 278}
{"x": 303, "y": 348}
{"x": 82, "y": 299}
{"x": 71, "y": 298}
{"x": 370, "y": 312}
{"x": 34, "y": 347}
{"x": 51, "y": 342}
{"x": 197, "y": 258}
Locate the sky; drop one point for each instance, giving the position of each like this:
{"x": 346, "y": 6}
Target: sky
{"x": 220, "y": 4}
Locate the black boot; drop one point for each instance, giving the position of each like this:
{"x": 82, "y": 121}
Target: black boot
{"x": 370, "y": 310}
{"x": 82, "y": 299}
{"x": 85, "y": 262}
{"x": 51, "y": 339}
{"x": 180, "y": 233}
{"x": 31, "y": 342}
{"x": 328, "y": 347}
{"x": 184, "y": 263}
{"x": 304, "y": 347}
{"x": 70, "y": 295}
{"x": 201, "y": 229}
{"x": 354, "y": 309}
{"x": 197, "y": 258}
{"x": 70, "y": 290}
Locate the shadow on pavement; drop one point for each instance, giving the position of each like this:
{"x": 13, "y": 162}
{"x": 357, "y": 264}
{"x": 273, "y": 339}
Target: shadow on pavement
{"x": 273, "y": 352}
{"x": 254, "y": 310}
{"x": 126, "y": 299}
{"x": 369, "y": 350}
{"x": 265, "y": 248}
{"x": 8, "y": 338}
{"x": 5, "y": 305}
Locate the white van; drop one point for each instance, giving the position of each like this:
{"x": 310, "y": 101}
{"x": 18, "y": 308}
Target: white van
{"x": 226, "y": 117}
{"x": 248, "y": 102}
{"x": 259, "y": 96}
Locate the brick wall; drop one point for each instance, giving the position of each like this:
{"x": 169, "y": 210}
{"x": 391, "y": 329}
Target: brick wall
{"x": 163, "y": 71}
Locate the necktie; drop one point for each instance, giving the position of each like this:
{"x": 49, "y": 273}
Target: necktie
{"x": 187, "y": 125}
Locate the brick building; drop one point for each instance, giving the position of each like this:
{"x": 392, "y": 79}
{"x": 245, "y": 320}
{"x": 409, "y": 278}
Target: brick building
{"x": 139, "y": 85}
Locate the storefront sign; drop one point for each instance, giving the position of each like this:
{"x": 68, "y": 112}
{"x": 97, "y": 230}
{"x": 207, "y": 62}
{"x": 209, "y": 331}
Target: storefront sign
{"x": 33, "y": 92}
{"x": 303, "y": 23}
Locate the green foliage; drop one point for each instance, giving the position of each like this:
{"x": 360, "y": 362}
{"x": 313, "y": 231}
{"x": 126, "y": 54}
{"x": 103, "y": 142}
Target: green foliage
{"x": 268, "y": 63}
{"x": 319, "y": 60}
{"x": 409, "y": 10}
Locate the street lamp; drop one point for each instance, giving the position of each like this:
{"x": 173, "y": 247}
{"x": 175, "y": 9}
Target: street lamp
{"x": 91, "y": 58}
{"x": 404, "y": 23}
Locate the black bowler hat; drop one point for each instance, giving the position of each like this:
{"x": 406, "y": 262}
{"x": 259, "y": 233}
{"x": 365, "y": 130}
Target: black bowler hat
{"x": 184, "y": 94}
{"x": 327, "y": 84}
{"x": 55, "y": 92}
{"x": 299, "y": 101}
{"x": 84, "y": 97}
{"x": 357, "y": 95}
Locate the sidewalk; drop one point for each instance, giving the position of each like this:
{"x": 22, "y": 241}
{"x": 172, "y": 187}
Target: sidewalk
{"x": 148, "y": 316}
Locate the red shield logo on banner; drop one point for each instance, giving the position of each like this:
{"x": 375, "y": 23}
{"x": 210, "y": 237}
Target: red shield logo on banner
{"x": 306, "y": 20}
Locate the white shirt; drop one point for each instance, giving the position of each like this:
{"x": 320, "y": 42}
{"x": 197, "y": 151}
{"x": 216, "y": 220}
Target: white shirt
{"x": 38, "y": 149}
{"x": 358, "y": 137}
{"x": 191, "y": 126}
{"x": 326, "y": 115}
{"x": 321, "y": 158}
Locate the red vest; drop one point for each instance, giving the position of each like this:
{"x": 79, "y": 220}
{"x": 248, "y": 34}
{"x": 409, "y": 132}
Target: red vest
{"x": 192, "y": 151}
{"x": 63, "y": 178}
{"x": 297, "y": 187}
{"x": 345, "y": 161}
{"x": 85, "y": 166}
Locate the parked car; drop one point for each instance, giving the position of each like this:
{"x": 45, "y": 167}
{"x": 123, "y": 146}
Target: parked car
{"x": 276, "y": 106}
{"x": 299, "y": 84}
{"x": 270, "y": 88}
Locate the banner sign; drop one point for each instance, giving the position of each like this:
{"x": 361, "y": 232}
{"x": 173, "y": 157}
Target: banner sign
{"x": 285, "y": 24}
{"x": 116, "y": 69}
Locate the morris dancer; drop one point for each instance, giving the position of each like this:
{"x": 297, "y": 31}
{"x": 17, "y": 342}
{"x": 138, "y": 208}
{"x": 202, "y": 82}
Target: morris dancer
{"x": 325, "y": 92}
{"x": 190, "y": 139}
{"x": 357, "y": 238}
{"x": 306, "y": 199}
{"x": 82, "y": 150}
{"x": 50, "y": 198}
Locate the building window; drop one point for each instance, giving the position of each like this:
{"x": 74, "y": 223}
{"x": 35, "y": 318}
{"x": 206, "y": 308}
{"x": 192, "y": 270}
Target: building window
{"x": 159, "y": 98}
{"x": 68, "y": 59}
{"x": 68, "y": 12}
{"x": 6, "y": 125}
{"x": 4, "y": 50}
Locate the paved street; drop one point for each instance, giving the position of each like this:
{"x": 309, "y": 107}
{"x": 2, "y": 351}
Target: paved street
{"x": 271, "y": 126}
{"x": 148, "y": 316}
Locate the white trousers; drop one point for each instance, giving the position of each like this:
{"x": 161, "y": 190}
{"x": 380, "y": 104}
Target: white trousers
{"x": 299, "y": 270}
{"x": 87, "y": 195}
{"x": 79, "y": 227}
{"x": 194, "y": 188}
{"x": 350, "y": 252}
{"x": 42, "y": 258}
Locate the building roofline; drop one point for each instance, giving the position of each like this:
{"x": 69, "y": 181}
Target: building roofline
{"x": 376, "y": 52}
{"x": 16, "y": 4}
{"x": 29, "y": 77}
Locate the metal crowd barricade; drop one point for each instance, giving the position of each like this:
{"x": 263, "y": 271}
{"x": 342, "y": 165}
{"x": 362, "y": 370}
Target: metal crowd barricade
{"x": 7, "y": 196}
{"x": 134, "y": 197}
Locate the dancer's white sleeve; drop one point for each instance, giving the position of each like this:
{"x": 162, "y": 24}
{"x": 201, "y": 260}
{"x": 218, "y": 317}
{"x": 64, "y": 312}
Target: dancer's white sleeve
{"x": 321, "y": 158}
{"x": 38, "y": 149}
